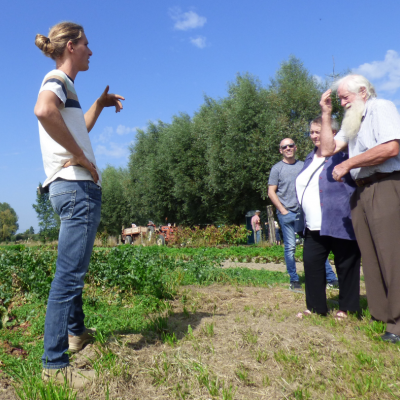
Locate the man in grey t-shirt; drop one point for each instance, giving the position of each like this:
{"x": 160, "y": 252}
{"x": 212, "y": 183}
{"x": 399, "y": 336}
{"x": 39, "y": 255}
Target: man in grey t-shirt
{"x": 282, "y": 192}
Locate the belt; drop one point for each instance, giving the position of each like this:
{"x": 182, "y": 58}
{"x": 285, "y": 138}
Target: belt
{"x": 378, "y": 176}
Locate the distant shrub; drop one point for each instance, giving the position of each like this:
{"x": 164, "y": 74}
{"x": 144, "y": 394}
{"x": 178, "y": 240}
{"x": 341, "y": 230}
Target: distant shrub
{"x": 211, "y": 235}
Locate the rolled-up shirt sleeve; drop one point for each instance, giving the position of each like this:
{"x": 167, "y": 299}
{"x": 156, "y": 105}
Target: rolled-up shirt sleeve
{"x": 385, "y": 121}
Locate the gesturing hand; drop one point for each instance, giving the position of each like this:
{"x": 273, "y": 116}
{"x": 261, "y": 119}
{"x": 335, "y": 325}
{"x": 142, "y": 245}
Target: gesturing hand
{"x": 110, "y": 100}
{"x": 326, "y": 102}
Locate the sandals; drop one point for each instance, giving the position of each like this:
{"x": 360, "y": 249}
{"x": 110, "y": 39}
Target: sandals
{"x": 303, "y": 314}
{"x": 340, "y": 315}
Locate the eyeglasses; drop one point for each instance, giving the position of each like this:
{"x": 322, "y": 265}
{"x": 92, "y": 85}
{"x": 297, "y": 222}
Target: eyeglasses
{"x": 287, "y": 145}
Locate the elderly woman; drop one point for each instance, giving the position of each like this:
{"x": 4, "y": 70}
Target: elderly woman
{"x": 328, "y": 227}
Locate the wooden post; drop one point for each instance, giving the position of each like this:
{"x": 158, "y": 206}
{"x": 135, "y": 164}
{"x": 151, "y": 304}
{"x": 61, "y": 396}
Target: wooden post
{"x": 271, "y": 225}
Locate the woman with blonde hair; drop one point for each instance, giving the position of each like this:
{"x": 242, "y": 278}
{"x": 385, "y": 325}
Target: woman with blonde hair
{"x": 74, "y": 183}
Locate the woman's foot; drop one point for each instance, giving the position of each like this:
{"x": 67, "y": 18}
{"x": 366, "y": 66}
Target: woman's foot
{"x": 303, "y": 314}
{"x": 340, "y": 315}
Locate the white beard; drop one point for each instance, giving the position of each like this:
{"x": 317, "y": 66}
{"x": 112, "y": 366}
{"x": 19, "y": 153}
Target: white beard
{"x": 352, "y": 118}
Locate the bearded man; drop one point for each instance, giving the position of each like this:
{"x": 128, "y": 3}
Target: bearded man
{"x": 371, "y": 133}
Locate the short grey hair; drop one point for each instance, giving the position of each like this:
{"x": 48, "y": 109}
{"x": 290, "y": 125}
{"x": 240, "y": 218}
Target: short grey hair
{"x": 354, "y": 84}
{"x": 334, "y": 123}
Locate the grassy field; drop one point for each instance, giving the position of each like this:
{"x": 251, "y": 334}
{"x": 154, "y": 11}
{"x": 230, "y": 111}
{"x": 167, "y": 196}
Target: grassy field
{"x": 171, "y": 324}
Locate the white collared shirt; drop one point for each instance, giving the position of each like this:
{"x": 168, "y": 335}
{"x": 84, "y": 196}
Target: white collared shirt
{"x": 380, "y": 124}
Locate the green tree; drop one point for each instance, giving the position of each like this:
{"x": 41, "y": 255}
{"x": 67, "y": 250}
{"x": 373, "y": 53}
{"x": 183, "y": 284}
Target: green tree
{"x": 115, "y": 209}
{"x": 214, "y": 166}
{"x": 49, "y": 221}
{"x": 8, "y": 221}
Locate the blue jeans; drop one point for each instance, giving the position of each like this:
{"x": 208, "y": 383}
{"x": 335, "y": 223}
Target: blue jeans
{"x": 78, "y": 204}
{"x": 330, "y": 275}
{"x": 289, "y": 237}
{"x": 258, "y": 236}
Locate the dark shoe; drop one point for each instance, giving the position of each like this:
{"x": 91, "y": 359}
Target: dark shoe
{"x": 295, "y": 286}
{"x": 390, "y": 337}
{"x": 333, "y": 285}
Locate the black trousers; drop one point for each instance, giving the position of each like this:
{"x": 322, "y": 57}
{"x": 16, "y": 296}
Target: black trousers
{"x": 347, "y": 262}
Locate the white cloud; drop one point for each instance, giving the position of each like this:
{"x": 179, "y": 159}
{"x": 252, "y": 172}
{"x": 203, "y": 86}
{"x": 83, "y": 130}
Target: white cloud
{"x": 113, "y": 150}
{"x": 187, "y": 20}
{"x": 318, "y": 79}
{"x": 385, "y": 74}
{"x": 108, "y": 132}
{"x": 105, "y": 136}
{"x": 124, "y": 130}
{"x": 199, "y": 41}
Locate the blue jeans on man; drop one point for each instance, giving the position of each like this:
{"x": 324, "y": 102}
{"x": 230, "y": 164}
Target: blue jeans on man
{"x": 78, "y": 204}
{"x": 258, "y": 236}
{"x": 330, "y": 275}
{"x": 289, "y": 237}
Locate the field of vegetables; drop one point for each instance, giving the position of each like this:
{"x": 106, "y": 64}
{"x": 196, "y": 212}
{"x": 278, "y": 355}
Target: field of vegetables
{"x": 124, "y": 286}
{"x": 172, "y": 324}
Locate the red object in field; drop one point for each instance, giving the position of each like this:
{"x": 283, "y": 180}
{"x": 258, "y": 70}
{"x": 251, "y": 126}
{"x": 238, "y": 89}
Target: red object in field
{"x": 162, "y": 234}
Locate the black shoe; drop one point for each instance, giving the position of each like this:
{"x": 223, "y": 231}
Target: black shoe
{"x": 295, "y": 286}
{"x": 390, "y": 337}
{"x": 333, "y": 285}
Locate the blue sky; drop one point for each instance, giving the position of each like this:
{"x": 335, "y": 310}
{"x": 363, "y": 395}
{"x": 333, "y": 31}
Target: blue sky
{"x": 165, "y": 55}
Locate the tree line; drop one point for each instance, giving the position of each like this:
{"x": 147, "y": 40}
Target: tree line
{"x": 214, "y": 167}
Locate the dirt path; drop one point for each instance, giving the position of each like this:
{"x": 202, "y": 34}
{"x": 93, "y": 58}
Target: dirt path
{"x": 230, "y": 343}
{"x": 268, "y": 266}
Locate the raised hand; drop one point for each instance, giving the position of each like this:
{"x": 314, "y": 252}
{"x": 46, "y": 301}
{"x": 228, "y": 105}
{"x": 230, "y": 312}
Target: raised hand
{"x": 326, "y": 102}
{"x": 110, "y": 100}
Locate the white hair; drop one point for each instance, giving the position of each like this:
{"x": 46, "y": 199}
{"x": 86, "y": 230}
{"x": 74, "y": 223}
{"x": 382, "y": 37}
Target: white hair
{"x": 354, "y": 84}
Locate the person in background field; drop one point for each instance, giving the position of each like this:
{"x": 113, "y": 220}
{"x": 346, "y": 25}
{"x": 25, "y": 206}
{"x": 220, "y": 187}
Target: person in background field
{"x": 282, "y": 192}
{"x": 256, "y": 225}
{"x": 328, "y": 227}
{"x": 74, "y": 184}
{"x": 371, "y": 133}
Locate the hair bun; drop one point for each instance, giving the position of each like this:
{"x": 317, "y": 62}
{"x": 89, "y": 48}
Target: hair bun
{"x": 44, "y": 44}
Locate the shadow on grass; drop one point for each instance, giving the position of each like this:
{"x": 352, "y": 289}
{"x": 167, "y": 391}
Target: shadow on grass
{"x": 175, "y": 326}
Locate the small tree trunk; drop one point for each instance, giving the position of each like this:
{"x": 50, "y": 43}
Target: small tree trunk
{"x": 271, "y": 225}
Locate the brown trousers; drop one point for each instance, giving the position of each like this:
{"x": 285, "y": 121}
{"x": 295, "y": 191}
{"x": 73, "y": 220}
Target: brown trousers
{"x": 376, "y": 220}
